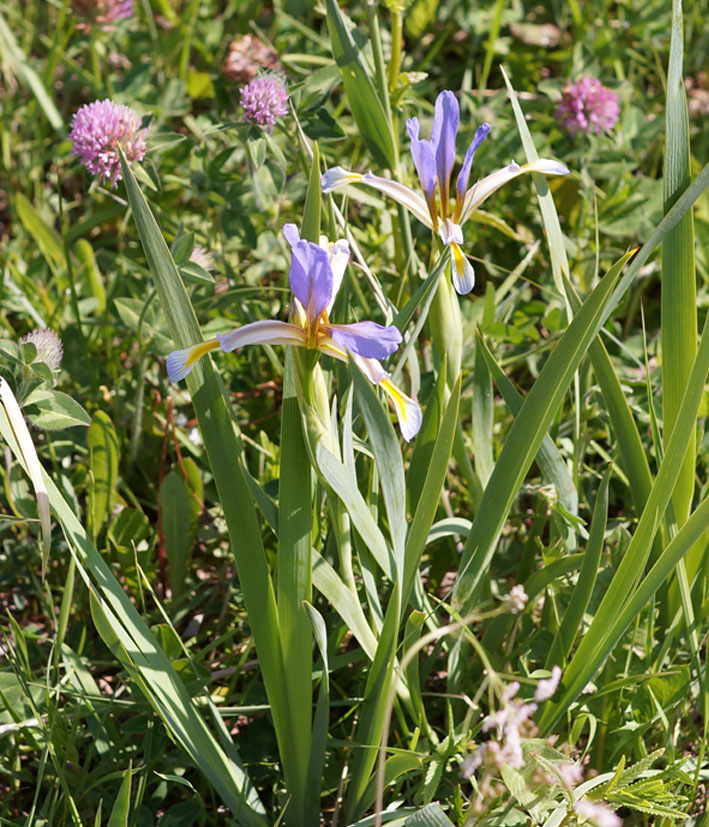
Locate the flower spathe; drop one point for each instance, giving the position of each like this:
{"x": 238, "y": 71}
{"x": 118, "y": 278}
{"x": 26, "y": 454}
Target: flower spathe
{"x": 315, "y": 276}
{"x": 434, "y": 161}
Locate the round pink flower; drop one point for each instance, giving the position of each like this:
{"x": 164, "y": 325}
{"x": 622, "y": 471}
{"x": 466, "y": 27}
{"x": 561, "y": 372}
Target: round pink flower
{"x": 264, "y": 99}
{"x": 587, "y": 106}
{"x": 98, "y": 129}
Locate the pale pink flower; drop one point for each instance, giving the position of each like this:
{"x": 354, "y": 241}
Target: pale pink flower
{"x": 102, "y": 13}
{"x": 588, "y": 106}
{"x": 265, "y": 99}
{"x": 546, "y": 688}
{"x": 598, "y": 813}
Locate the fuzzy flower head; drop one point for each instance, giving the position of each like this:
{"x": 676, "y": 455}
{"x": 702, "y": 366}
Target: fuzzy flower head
{"x": 202, "y": 257}
{"x": 587, "y": 106}
{"x": 265, "y": 99}
{"x": 246, "y": 57}
{"x": 48, "y": 347}
{"x": 446, "y": 203}
{"x": 98, "y": 129}
{"x": 102, "y": 13}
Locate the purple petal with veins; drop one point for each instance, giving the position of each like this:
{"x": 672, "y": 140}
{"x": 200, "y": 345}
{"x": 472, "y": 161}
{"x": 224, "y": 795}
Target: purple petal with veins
{"x": 368, "y": 339}
{"x": 310, "y": 278}
{"x": 464, "y": 174}
{"x": 422, "y": 152}
{"x": 445, "y": 127}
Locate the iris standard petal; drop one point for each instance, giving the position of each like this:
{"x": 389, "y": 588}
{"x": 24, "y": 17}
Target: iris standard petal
{"x": 181, "y": 362}
{"x": 339, "y": 254}
{"x": 408, "y": 410}
{"x": 262, "y": 333}
{"x": 462, "y": 273}
{"x": 292, "y": 233}
{"x": 461, "y": 184}
{"x": 368, "y": 339}
{"x": 310, "y": 279}
{"x": 445, "y": 127}
{"x": 333, "y": 179}
{"x": 424, "y": 159}
{"x": 484, "y": 188}
{"x": 413, "y": 202}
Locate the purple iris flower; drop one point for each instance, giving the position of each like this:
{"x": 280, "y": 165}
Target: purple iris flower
{"x": 434, "y": 160}
{"x": 315, "y": 276}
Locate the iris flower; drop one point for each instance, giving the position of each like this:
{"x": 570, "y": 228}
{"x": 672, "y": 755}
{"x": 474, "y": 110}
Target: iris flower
{"x": 434, "y": 162}
{"x": 315, "y": 276}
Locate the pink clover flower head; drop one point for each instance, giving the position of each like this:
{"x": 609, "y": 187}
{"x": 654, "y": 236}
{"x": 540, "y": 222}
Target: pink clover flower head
{"x": 265, "y": 99}
{"x": 98, "y": 129}
{"x": 588, "y": 106}
{"x": 202, "y": 257}
{"x": 102, "y": 13}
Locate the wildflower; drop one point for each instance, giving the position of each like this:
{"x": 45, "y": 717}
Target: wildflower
{"x": 102, "y": 13}
{"x": 546, "y": 688}
{"x": 247, "y": 56}
{"x": 516, "y": 600}
{"x": 98, "y": 129}
{"x": 316, "y": 273}
{"x": 265, "y": 99}
{"x": 512, "y": 722}
{"x": 202, "y": 257}
{"x": 597, "y": 812}
{"x": 587, "y": 106}
{"x": 570, "y": 774}
{"x": 48, "y": 347}
{"x": 434, "y": 162}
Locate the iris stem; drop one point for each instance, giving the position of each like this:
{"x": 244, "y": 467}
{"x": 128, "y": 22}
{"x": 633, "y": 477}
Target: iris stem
{"x": 395, "y": 61}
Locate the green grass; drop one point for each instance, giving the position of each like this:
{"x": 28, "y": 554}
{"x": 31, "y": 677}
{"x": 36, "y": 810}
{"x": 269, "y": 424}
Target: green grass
{"x": 252, "y": 602}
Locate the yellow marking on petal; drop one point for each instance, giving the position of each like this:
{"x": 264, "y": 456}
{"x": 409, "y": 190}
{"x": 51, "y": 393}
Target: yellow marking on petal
{"x": 458, "y": 257}
{"x": 396, "y": 396}
{"x": 198, "y": 351}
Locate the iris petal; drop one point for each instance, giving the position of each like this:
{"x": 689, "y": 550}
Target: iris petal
{"x": 462, "y": 272}
{"x": 464, "y": 174}
{"x": 333, "y": 179}
{"x": 368, "y": 339}
{"x": 262, "y": 333}
{"x": 424, "y": 160}
{"x": 484, "y": 188}
{"x": 408, "y": 410}
{"x": 181, "y": 362}
{"x": 310, "y": 279}
{"x": 445, "y": 127}
{"x": 410, "y": 199}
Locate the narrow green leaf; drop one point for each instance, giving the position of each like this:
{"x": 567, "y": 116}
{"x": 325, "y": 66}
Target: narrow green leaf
{"x": 366, "y": 107}
{"x": 103, "y": 462}
{"x": 176, "y": 519}
{"x": 573, "y": 617}
{"x": 430, "y": 816}
{"x": 597, "y": 643}
{"x": 483, "y": 418}
{"x": 431, "y": 493}
{"x": 526, "y": 436}
{"x": 121, "y": 806}
{"x": 387, "y": 455}
{"x": 48, "y": 240}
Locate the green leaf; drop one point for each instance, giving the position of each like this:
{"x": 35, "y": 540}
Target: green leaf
{"x": 48, "y": 240}
{"x": 53, "y": 410}
{"x": 103, "y": 462}
{"x": 429, "y": 816}
{"x": 176, "y": 520}
{"x": 367, "y": 109}
{"x": 121, "y": 806}
{"x": 526, "y": 436}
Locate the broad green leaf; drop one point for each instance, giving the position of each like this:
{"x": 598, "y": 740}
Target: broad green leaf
{"x": 85, "y": 254}
{"x": 367, "y": 109}
{"x": 53, "y": 410}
